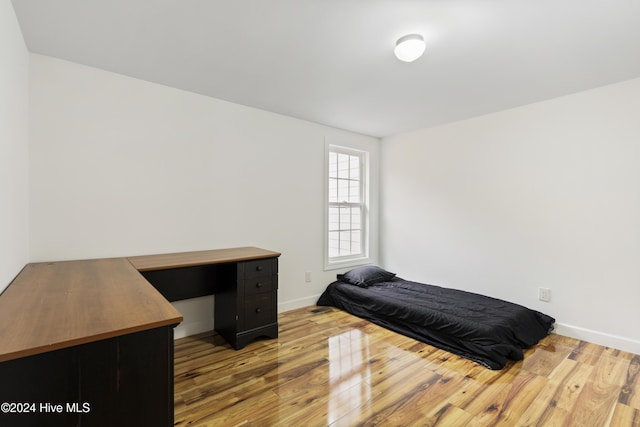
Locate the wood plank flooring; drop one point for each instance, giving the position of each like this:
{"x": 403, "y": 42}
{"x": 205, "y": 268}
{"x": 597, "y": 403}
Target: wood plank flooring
{"x": 328, "y": 368}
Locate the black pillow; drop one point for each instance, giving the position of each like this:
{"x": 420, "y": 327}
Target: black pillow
{"x": 365, "y": 276}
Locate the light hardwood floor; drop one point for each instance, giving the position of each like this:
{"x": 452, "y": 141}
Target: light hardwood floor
{"x": 330, "y": 368}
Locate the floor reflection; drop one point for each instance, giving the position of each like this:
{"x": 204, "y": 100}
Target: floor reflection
{"x": 349, "y": 356}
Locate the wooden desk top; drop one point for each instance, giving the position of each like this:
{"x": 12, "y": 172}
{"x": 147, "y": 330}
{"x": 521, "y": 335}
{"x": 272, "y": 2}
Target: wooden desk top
{"x": 190, "y": 259}
{"x": 54, "y": 305}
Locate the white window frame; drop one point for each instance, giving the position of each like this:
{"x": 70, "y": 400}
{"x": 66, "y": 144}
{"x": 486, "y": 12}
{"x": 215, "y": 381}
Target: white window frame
{"x": 362, "y": 257}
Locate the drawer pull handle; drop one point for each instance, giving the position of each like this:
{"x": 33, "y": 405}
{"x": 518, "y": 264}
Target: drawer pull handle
{"x": 259, "y": 268}
{"x": 258, "y": 285}
{"x": 258, "y": 310}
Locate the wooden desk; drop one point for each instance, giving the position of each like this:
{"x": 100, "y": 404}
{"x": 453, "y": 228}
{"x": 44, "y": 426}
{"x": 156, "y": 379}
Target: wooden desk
{"x": 244, "y": 281}
{"x": 190, "y": 259}
{"x": 96, "y": 338}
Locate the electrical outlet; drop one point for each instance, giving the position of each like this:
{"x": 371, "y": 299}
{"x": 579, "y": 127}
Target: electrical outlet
{"x": 307, "y": 276}
{"x": 544, "y": 294}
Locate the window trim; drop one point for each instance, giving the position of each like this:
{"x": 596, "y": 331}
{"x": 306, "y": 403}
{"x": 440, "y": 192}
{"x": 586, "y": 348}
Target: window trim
{"x": 332, "y": 263}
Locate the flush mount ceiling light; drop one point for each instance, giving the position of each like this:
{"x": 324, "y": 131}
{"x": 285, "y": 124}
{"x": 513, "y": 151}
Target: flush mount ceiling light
{"x": 409, "y": 47}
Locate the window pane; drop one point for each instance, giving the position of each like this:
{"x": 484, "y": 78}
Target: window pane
{"x": 345, "y": 243}
{"x": 334, "y": 219}
{"x": 343, "y": 165}
{"x": 333, "y": 190}
{"x": 334, "y": 244}
{"x": 354, "y": 191}
{"x": 355, "y": 219}
{"x": 343, "y": 190}
{"x": 354, "y": 167}
{"x": 345, "y": 218}
{"x": 356, "y": 244}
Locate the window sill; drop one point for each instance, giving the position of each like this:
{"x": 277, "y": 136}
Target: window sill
{"x": 349, "y": 263}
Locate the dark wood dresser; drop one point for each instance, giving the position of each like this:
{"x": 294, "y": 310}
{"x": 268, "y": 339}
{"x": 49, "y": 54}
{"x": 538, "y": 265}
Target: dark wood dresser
{"x": 249, "y": 309}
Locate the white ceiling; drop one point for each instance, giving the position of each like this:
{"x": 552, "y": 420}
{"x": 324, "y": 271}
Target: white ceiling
{"x": 331, "y": 61}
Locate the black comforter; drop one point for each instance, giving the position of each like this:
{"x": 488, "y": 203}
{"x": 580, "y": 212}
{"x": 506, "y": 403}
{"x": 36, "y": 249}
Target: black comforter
{"x": 484, "y": 329}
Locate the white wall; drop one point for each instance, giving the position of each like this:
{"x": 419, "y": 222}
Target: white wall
{"x": 543, "y": 195}
{"x": 121, "y": 167}
{"x": 14, "y": 148}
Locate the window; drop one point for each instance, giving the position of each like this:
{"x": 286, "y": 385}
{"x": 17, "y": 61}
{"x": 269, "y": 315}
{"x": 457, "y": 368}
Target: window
{"x": 346, "y": 214}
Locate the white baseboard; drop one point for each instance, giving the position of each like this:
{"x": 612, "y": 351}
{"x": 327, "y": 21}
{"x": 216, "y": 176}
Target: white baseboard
{"x": 197, "y": 316}
{"x": 297, "y": 303}
{"x": 191, "y": 328}
{"x": 601, "y": 338}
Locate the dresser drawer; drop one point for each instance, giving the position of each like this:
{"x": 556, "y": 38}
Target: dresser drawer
{"x": 259, "y": 267}
{"x": 256, "y": 285}
{"x": 259, "y": 310}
